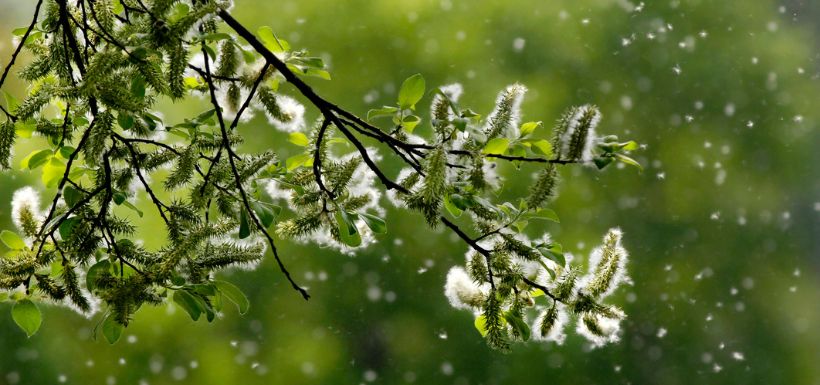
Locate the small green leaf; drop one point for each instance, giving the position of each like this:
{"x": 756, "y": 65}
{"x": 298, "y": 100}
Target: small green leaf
{"x": 118, "y": 8}
{"x": 244, "y": 226}
{"x": 12, "y": 240}
{"x": 125, "y": 120}
{"x": 132, "y": 207}
{"x": 234, "y": 294}
{"x": 270, "y": 40}
{"x": 72, "y": 196}
{"x": 544, "y": 147}
{"x": 189, "y": 303}
{"x": 630, "y": 145}
{"x": 627, "y": 160}
{"x": 529, "y": 127}
{"x": 451, "y": 207}
{"x": 111, "y": 329}
{"x": 480, "y": 324}
{"x": 67, "y": 227}
{"x": 374, "y": 223}
{"x": 119, "y": 197}
{"x": 53, "y": 172}
{"x": 409, "y": 123}
{"x": 298, "y": 139}
{"x": 95, "y": 271}
{"x": 297, "y": 161}
{"x": 27, "y": 316}
{"x": 602, "y": 162}
{"x": 264, "y": 213}
{"x": 411, "y": 91}
{"x": 19, "y": 32}
{"x": 36, "y": 159}
{"x": 384, "y": 111}
{"x": 555, "y": 253}
{"x": 138, "y": 86}
{"x": 518, "y": 325}
{"x": 348, "y": 232}
{"x": 496, "y": 146}
{"x": 546, "y": 214}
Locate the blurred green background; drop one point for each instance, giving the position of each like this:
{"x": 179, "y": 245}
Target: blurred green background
{"x": 722, "y": 226}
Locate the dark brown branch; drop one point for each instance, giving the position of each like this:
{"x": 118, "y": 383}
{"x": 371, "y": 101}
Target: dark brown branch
{"x": 17, "y": 52}
{"x": 238, "y": 180}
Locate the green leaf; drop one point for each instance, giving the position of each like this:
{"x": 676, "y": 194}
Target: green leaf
{"x": 270, "y": 40}
{"x": 125, "y": 120}
{"x": 451, "y": 207}
{"x": 480, "y": 324}
{"x": 496, "y": 146}
{"x": 67, "y": 227}
{"x": 111, "y": 329}
{"x": 138, "y": 86}
{"x": 298, "y": 139}
{"x": 12, "y": 240}
{"x": 234, "y": 294}
{"x": 217, "y": 36}
{"x": 132, "y": 207}
{"x": 264, "y": 213}
{"x": 627, "y": 160}
{"x": 319, "y": 73}
{"x": 348, "y": 232}
{"x": 244, "y": 226}
{"x": 529, "y": 127}
{"x": 374, "y": 223}
{"x": 555, "y": 253}
{"x": 544, "y": 147}
{"x": 36, "y": 159}
{"x": 630, "y": 145}
{"x": 27, "y": 316}
{"x": 119, "y": 197}
{"x": 65, "y": 152}
{"x": 189, "y": 303}
{"x": 602, "y": 162}
{"x": 95, "y": 271}
{"x": 53, "y": 172}
{"x": 384, "y": 111}
{"x": 72, "y": 196}
{"x": 411, "y": 91}
{"x": 546, "y": 214}
{"x": 297, "y": 161}
{"x": 19, "y": 32}
{"x": 409, "y": 123}
{"x": 518, "y": 325}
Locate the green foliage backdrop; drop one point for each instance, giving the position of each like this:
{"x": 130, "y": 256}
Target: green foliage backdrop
{"x": 721, "y": 227}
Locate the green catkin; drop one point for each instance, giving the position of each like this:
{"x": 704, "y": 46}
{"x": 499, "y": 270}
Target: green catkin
{"x": 177, "y": 62}
{"x": 7, "y": 135}
{"x": 544, "y": 188}
{"x": 548, "y": 321}
{"x": 605, "y": 275}
{"x": 428, "y": 198}
{"x": 228, "y": 59}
